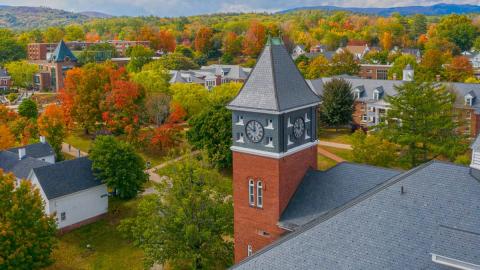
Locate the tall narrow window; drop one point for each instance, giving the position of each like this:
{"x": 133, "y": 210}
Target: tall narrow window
{"x": 251, "y": 192}
{"x": 260, "y": 194}
{"x": 249, "y": 250}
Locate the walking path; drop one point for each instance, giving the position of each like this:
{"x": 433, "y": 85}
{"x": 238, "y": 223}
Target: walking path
{"x": 329, "y": 155}
{"x": 335, "y": 145}
{"x": 154, "y": 177}
{"x": 68, "y": 149}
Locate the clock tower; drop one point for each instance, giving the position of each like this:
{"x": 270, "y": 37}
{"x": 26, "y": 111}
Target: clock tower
{"x": 274, "y": 144}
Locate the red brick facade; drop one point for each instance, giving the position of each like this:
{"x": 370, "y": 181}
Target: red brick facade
{"x": 254, "y": 226}
{"x": 374, "y": 72}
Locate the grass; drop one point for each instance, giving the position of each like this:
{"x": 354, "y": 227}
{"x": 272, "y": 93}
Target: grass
{"x": 343, "y": 135}
{"x": 109, "y": 250}
{"x": 343, "y": 153}
{"x": 80, "y": 141}
{"x": 325, "y": 163}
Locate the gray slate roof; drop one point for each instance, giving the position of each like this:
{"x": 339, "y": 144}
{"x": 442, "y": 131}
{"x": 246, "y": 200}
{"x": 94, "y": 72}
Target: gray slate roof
{"x": 323, "y": 191}
{"x": 449, "y": 239}
{"x": 36, "y": 150}
{"x": 368, "y": 86}
{"x": 385, "y": 229}
{"x": 62, "y": 52}
{"x": 9, "y": 162}
{"x": 66, "y": 177}
{"x": 275, "y": 84}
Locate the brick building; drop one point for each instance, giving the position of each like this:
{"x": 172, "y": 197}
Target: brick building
{"x": 374, "y": 71}
{"x": 42, "y": 51}
{"x": 5, "y": 80}
{"x": 371, "y": 105}
{"x": 52, "y": 71}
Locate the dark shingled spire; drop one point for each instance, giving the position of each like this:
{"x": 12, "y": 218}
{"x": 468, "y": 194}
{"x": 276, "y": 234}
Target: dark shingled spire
{"x": 62, "y": 53}
{"x": 275, "y": 84}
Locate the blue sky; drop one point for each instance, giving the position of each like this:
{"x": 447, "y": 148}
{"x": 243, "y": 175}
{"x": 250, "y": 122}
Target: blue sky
{"x": 172, "y": 8}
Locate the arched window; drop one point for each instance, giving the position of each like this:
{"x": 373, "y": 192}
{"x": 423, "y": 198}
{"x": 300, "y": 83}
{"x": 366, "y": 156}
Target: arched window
{"x": 251, "y": 192}
{"x": 249, "y": 250}
{"x": 259, "y": 194}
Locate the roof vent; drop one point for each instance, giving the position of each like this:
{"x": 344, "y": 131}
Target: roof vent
{"x": 22, "y": 152}
{"x": 42, "y": 139}
{"x": 402, "y": 190}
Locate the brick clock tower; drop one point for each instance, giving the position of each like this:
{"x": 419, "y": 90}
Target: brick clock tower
{"x": 274, "y": 144}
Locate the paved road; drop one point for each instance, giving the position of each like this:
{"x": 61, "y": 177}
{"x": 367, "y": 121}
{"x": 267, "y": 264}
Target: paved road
{"x": 335, "y": 145}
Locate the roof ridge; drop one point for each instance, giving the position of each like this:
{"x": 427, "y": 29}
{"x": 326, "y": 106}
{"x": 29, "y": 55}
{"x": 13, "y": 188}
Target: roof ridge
{"x": 273, "y": 75}
{"x": 334, "y": 212}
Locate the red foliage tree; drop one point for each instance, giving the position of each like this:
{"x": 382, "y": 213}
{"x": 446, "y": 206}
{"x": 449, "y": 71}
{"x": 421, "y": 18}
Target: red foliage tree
{"x": 203, "y": 40}
{"x": 254, "y": 39}
{"x": 166, "y": 41}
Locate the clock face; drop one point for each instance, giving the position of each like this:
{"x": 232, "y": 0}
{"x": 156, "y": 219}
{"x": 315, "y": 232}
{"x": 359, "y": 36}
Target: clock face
{"x": 298, "y": 127}
{"x": 254, "y": 131}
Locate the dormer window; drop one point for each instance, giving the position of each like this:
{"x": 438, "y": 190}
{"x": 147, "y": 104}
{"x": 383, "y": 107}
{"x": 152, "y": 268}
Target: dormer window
{"x": 376, "y": 95}
{"x": 189, "y": 79}
{"x": 468, "y": 100}
{"x": 356, "y": 94}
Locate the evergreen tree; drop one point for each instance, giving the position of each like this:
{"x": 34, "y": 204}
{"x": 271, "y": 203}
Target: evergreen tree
{"x": 421, "y": 121}
{"x": 337, "y": 103}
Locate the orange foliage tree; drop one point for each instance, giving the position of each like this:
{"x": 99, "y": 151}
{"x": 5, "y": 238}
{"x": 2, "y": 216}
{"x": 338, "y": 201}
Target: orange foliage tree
{"x": 232, "y": 44}
{"x": 7, "y": 139}
{"x": 254, "y": 39}
{"x": 459, "y": 69}
{"x": 166, "y": 41}
{"x": 203, "y": 40}
{"x": 51, "y": 124}
{"x": 387, "y": 41}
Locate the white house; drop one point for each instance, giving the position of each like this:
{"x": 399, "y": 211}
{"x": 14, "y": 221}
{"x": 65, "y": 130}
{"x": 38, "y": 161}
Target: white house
{"x": 41, "y": 151}
{"x": 71, "y": 192}
{"x": 297, "y": 51}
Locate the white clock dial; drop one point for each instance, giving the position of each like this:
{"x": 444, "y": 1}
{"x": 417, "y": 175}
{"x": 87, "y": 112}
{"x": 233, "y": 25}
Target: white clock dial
{"x": 298, "y": 127}
{"x": 254, "y": 131}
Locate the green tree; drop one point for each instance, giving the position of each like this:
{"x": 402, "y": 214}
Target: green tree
{"x": 400, "y": 64}
{"x": 97, "y": 52}
{"x": 337, "y": 103}
{"x": 177, "y": 61}
{"x": 459, "y": 30}
{"x": 192, "y": 97}
{"x": 188, "y": 224}
{"x": 344, "y": 63}
{"x": 28, "y": 235}
{"x": 74, "y": 32}
{"x": 419, "y": 25}
{"x": 476, "y": 44}
{"x": 376, "y": 57}
{"x": 185, "y": 51}
{"x": 28, "y": 108}
{"x": 154, "y": 78}
{"x": 11, "y": 50}
{"x": 53, "y": 35}
{"x": 22, "y": 73}
{"x": 139, "y": 56}
{"x": 373, "y": 150}
{"x": 421, "y": 121}
{"x": 118, "y": 165}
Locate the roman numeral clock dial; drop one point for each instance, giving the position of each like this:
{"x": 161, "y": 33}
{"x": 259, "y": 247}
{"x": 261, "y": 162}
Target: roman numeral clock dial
{"x": 254, "y": 131}
{"x": 298, "y": 127}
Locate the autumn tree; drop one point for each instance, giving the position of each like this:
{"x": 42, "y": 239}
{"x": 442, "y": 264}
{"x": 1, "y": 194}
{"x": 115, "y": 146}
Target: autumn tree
{"x": 431, "y": 65}
{"x": 232, "y": 44}
{"x": 53, "y": 35}
{"x": 188, "y": 224}
{"x": 254, "y": 39}
{"x": 51, "y": 124}
{"x": 28, "y": 236}
{"x": 459, "y": 30}
{"x": 203, "y": 40}
{"x": 176, "y": 61}
{"x": 373, "y": 150}
{"x": 22, "y": 73}
{"x": 10, "y": 48}
{"x": 421, "y": 121}
{"x": 459, "y": 69}
{"x": 139, "y": 56}
{"x": 337, "y": 103}
{"x": 387, "y": 41}
{"x": 118, "y": 165}
{"x": 74, "y": 32}
{"x": 24, "y": 129}
{"x": 400, "y": 64}
{"x": 166, "y": 41}
{"x": 28, "y": 108}
{"x": 318, "y": 67}
{"x": 344, "y": 63}
{"x": 7, "y": 139}
{"x": 192, "y": 97}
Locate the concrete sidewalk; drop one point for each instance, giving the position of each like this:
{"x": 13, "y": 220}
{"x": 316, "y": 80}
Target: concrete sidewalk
{"x": 335, "y": 145}
{"x": 68, "y": 149}
{"x": 329, "y": 155}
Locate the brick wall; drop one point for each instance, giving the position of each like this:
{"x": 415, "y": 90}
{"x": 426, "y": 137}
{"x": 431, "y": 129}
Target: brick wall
{"x": 358, "y": 111}
{"x": 258, "y": 227}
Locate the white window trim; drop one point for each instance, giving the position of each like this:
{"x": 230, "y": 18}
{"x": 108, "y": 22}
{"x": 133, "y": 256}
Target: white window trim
{"x": 249, "y": 250}
{"x": 259, "y": 194}
{"x": 251, "y": 192}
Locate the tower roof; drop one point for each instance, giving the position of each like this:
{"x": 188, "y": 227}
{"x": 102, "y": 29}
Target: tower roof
{"x": 275, "y": 84}
{"x": 62, "y": 53}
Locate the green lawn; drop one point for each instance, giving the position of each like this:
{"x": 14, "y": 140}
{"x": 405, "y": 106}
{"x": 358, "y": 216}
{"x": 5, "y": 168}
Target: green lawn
{"x": 343, "y": 135}
{"x": 325, "y": 163}
{"x": 109, "y": 250}
{"x": 80, "y": 141}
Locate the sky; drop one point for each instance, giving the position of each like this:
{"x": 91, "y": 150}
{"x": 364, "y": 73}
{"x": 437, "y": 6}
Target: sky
{"x": 173, "y": 8}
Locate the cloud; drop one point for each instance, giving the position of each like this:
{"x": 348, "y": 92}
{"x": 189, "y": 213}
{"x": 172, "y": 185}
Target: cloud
{"x": 170, "y": 8}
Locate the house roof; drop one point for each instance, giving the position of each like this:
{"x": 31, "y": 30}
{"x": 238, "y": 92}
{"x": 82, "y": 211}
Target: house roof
{"x": 66, "y": 177}
{"x": 449, "y": 239}
{"x": 9, "y": 162}
{"x": 275, "y": 84}
{"x": 62, "y": 53}
{"x": 323, "y": 191}
{"x": 386, "y": 228}
{"x": 3, "y": 73}
{"x": 36, "y": 150}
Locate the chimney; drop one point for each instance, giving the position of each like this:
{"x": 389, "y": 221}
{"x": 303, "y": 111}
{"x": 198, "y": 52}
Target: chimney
{"x": 22, "y": 152}
{"x": 42, "y": 139}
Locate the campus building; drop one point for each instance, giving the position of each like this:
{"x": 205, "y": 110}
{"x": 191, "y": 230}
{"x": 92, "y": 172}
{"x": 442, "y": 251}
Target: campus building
{"x": 289, "y": 215}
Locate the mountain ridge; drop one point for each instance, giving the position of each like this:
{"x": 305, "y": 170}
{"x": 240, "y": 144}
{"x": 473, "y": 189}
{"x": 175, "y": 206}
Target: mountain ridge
{"x": 432, "y": 10}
